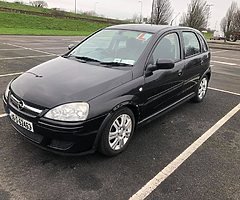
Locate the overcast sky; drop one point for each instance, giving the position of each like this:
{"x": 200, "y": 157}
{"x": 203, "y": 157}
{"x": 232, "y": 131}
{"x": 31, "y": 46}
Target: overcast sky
{"x": 123, "y": 9}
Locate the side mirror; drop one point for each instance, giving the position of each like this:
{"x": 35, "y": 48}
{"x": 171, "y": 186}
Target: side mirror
{"x": 71, "y": 46}
{"x": 164, "y": 64}
{"x": 160, "y": 64}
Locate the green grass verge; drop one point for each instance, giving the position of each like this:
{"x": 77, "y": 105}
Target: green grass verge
{"x": 208, "y": 35}
{"x": 21, "y": 24}
{"x": 28, "y": 8}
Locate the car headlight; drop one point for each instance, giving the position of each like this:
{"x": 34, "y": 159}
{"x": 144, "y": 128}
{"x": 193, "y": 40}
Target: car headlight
{"x": 7, "y": 91}
{"x": 69, "y": 112}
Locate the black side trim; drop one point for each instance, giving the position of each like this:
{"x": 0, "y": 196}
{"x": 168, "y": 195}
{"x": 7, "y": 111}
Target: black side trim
{"x": 168, "y": 108}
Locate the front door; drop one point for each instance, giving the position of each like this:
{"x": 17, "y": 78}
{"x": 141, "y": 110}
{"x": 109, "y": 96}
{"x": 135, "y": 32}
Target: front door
{"x": 163, "y": 87}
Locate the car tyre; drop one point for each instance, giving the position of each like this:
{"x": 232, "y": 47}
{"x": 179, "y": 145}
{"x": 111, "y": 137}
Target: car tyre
{"x": 201, "y": 90}
{"x": 117, "y": 132}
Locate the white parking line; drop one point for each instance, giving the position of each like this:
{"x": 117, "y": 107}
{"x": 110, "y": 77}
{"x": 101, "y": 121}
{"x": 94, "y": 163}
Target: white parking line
{"x": 220, "y": 51}
{"x": 13, "y": 58}
{"x": 13, "y": 74}
{"x": 224, "y": 63}
{"x": 54, "y": 48}
{"x": 225, "y": 91}
{"x": 236, "y": 59}
{"x": 13, "y": 49}
{"x": 3, "y": 115}
{"x": 171, "y": 167}
{"x": 29, "y": 48}
{"x": 21, "y": 49}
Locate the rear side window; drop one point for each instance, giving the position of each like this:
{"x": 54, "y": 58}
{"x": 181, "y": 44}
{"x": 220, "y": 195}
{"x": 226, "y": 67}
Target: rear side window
{"x": 204, "y": 45}
{"x": 191, "y": 44}
{"x": 167, "y": 48}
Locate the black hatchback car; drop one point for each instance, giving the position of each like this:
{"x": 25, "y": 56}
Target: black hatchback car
{"x": 94, "y": 96}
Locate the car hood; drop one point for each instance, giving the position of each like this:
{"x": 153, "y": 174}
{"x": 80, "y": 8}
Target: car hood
{"x": 64, "y": 80}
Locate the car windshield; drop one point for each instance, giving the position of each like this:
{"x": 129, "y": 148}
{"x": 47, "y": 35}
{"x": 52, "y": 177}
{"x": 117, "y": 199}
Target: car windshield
{"x": 113, "y": 47}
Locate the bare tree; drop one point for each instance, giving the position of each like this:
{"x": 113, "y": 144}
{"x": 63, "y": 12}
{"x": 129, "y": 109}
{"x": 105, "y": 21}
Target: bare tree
{"x": 136, "y": 19}
{"x": 41, "y": 4}
{"x": 223, "y": 25}
{"x": 161, "y": 12}
{"x": 236, "y": 21}
{"x": 197, "y": 15}
{"x": 229, "y": 22}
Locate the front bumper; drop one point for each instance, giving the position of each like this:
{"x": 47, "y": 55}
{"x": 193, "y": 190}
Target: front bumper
{"x": 59, "y": 137}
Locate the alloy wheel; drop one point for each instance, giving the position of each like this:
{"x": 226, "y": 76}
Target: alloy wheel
{"x": 120, "y": 132}
{"x": 202, "y": 88}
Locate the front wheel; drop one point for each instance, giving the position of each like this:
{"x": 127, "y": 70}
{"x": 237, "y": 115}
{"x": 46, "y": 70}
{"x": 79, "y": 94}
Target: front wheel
{"x": 201, "y": 90}
{"x": 117, "y": 132}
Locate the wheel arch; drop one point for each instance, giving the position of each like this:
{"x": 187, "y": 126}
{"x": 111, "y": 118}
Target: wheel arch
{"x": 128, "y": 104}
{"x": 208, "y": 74}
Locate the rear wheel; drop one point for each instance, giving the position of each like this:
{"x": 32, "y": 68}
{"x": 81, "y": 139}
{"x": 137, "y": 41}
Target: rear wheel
{"x": 201, "y": 90}
{"x": 117, "y": 133}
{"x": 233, "y": 38}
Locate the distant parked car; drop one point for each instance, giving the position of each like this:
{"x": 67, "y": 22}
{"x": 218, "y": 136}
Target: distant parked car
{"x": 94, "y": 96}
{"x": 234, "y": 36}
{"x": 218, "y": 35}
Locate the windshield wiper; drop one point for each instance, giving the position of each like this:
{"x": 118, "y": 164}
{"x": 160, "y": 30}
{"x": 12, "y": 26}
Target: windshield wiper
{"x": 83, "y": 58}
{"x": 86, "y": 58}
{"x": 115, "y": 64}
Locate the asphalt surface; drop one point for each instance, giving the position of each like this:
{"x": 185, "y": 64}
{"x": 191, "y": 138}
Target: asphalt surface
{"x": 212, "y": 172}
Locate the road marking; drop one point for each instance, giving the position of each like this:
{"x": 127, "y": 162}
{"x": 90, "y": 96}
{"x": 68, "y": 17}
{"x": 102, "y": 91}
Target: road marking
{"x": 3, "y": 115}
{"x": 211, "y": 65}
{"x": 225, "y": 91}
{"x": 29, "y": 49}
{"x": 225, "y": 73}
{"x": 15, "y": 49}
{"x": 21, "y": 49}
{"x": 13, "y": 58}
{"x": 13, "y": 74}
{"x": 227, "y": 58}
{"x": 171, "y": 167}
{"x": 55, "y": 48}
{"x": 220, "y": 51}
{"x": 224, "y": 63}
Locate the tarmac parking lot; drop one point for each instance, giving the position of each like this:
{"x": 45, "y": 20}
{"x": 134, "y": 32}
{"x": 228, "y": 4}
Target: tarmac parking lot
{"x": 206, "y": 169}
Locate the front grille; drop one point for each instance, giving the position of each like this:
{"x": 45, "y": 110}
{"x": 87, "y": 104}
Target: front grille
{"x": 21, "y": 106}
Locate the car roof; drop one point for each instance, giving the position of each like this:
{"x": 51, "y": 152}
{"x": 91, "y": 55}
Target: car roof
{"x": 151, "y": 28}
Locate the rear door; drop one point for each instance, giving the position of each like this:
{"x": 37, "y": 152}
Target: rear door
{"x": 193, "y": 61}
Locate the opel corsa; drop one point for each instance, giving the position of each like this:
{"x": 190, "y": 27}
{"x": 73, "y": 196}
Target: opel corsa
{"x": 93, "y": 97}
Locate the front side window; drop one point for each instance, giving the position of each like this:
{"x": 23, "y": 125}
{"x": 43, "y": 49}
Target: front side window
{"x": 113, "y": 46}
{"x": 191, "y": 44}
{"x": 167, "y": 49}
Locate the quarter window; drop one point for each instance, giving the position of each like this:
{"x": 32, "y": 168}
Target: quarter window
{"x": 168, "y": 48}
{"x": 191, "y": 44}
{"x": 204, "y": 45}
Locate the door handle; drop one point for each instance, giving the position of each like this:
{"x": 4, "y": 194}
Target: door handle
{"x": 180, "y": 72}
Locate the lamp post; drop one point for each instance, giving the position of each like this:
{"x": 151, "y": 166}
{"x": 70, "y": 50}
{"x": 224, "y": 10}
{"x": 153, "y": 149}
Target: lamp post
{"x": 95, "y": 7}
{"x": 76, "y": 6}
{"x": 140, "y": 1}
{"x": 209, "y": 7}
